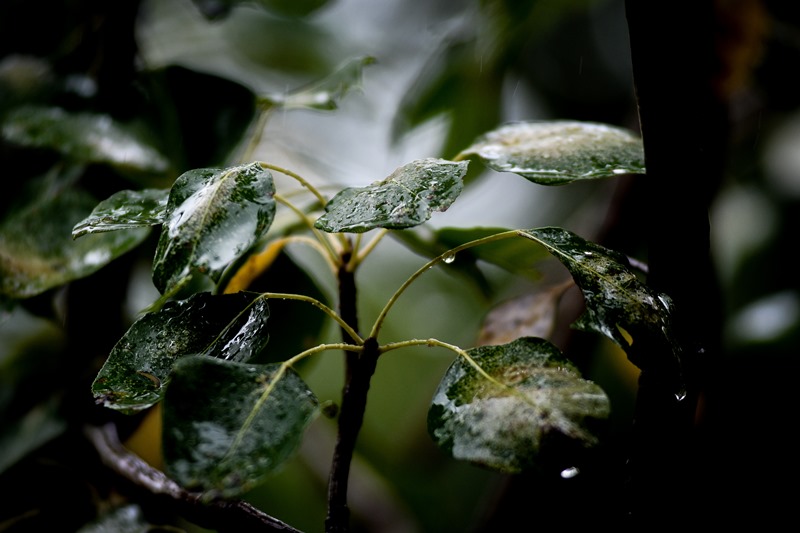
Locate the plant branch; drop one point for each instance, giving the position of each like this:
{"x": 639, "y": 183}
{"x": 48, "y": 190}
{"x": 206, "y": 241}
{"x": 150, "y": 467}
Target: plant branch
{"x": 684, "y": 125}
{"x": 359, "y": 368}
{"x": 219, "y": 515}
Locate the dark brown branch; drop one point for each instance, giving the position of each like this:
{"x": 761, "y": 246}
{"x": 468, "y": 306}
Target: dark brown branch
{"x": 359, "y": 370}
{"x": 220, "y": 515}
{"x": 683, "y": 119}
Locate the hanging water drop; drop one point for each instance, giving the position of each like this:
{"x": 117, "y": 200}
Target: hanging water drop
{"x": 449, "y": 257}
{"x": 571, "y": 472}
{"x": 681, "y": 395}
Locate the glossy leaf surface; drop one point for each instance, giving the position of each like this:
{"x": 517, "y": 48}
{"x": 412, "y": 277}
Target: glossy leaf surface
{"x": 123, "y": 210}
{"x": 405, "y": 199}
{"x": 212, "y": 217}
{"x": 503, "y": 426}
{"x": 615, "y": 298}
{"x": 326, "y": 93}
{"x": 83, "y": 137}
{"x": 37, "y": 251}
{"x": 230, "y": 327}
{"x": 227, "y": 425}
{"x": 559, "y": 152}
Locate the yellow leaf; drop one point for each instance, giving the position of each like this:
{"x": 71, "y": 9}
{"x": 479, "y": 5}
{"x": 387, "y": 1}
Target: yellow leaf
{"x": 254, "y": 266}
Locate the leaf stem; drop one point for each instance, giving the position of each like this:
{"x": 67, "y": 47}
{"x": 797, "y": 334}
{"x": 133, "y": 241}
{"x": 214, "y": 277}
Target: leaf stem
{"x": 297, "y": 177}
{"x": 367, "y": 249}
{"x": 461, "y": 352}
{"x": 324, "y": 308}
{"x": 331, "y": 251}
{"x": 452, "y": 347}
{"x": 450, "y": 253}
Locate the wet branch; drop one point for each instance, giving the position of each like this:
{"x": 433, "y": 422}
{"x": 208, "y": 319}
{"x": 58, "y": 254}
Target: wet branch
{"x": 683, "y": 119}
{"x": 219, "y": 515}
{"x": 360, "y": 366}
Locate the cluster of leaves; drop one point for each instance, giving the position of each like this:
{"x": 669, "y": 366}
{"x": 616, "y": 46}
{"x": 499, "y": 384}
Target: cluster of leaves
{"x": 211, "y": 218}
{"x": 495, "y": 406}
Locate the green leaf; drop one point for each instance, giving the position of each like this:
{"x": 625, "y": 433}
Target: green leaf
{"x": 615, "y": 298}
{"x": 559, "y": 152}
{"x": 326, "y": 93}
{"x": 403, "y": 200}
{"x": 538, "y": 397}
{"x": 37, "y": 251}
{"x": 212, "y": 217}
{"x": 125, "y": 210}
{"x": 228, "y": 425}
{"x": 83, "y": 137}
{"x": 229, "y": 326}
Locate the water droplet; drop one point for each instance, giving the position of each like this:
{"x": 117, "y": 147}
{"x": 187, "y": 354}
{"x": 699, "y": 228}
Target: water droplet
{"x": 449, "y": 258}
{"x": 619, "y": 171}
{"x": 681, "y": 395}
{"x": 571, "y": 472}
{"x": 588, "y": 254}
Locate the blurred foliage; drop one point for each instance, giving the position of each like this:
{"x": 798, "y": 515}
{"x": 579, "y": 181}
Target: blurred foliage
{"x": 475, "y": 65}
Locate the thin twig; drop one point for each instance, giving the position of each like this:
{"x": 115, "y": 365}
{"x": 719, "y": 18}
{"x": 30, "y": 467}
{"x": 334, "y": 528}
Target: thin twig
{"x": 221, "y": 515}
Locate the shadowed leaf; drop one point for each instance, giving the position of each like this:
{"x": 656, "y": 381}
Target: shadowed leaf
{"x": 531, "y": 315}
{"x": 37, "y": 251}
{"x": 230, "y": 327}
{"x": 227, "y": 425}
{"x": 83, "y": 137}
{"x": 615, "y": 298}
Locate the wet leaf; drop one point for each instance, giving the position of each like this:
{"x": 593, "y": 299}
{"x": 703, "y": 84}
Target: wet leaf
{"x": 403, "y": 200}
{"x": 227, "y": 425}
{"x": 540, "y": 397}
{"x": 124, "y": 210}
{"x": 615, "y": 298}
{"x": 37, "y": 251}
{"x": 559, "y": 152}
{"x": 326, "y": 93}
{"x": 229, "y": 326}
{"x": 83, "y": 137}
{"x": 531, "y": 315}
{"x": 212, "y": 217}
